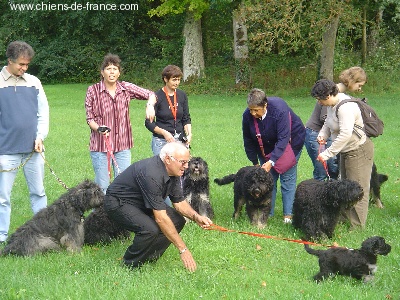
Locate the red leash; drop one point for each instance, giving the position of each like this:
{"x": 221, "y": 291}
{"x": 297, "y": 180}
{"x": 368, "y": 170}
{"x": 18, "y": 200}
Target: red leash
{"x": 322, "y": 149}
{"x": 220, "y": 228}
{"x": 110, "y": 155}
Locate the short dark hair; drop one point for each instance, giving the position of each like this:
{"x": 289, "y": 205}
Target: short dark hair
{"x": 256, "y": 97}
{"x": 19, "y": 48}
{"x": 171, "y": 71}
{"x": 111, "y": 59}
{"x": 324, "y": 88}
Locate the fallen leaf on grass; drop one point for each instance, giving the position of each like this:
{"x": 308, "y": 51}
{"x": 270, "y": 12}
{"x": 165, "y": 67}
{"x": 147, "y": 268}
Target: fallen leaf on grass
{"x": 264, "y": 284}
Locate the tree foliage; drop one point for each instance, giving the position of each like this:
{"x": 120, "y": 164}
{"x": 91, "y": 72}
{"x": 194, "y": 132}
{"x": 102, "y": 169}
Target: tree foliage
{"x": 70, "y": 45}
{"x": 291, "y": 26}
{"x": 197, "y": 7}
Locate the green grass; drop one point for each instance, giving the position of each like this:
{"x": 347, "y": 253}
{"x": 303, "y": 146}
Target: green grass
{"x": 230, "y": 265}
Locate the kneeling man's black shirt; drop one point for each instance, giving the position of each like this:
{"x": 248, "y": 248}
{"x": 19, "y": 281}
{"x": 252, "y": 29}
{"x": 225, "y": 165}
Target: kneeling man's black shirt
{"x": 146, "y": 184}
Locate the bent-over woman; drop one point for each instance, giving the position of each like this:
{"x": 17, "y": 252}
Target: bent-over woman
{"x": 278, "y": 125}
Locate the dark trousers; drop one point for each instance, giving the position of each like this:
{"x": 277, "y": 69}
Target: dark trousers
{"x": 149, "y": 242}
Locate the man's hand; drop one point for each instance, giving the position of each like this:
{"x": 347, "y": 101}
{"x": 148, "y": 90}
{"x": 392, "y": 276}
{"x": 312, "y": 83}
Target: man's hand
{"x": 203, "y": 222}
{"x": 187, "y": 260}
{"x": 38, "y": 145}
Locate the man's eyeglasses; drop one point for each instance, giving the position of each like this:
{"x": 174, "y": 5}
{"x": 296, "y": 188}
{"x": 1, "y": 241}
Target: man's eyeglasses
{"x": 181, "y": 161}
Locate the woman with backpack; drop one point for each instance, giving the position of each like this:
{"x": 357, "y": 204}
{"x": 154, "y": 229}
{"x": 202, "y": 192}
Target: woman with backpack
{"x": 355, "y": 148}
{"x": 352, "y": 80}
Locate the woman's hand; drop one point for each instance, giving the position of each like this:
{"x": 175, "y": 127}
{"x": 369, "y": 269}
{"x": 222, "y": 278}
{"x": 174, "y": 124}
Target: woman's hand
{"x": 150, "y": 113}
{"x": 168, "y": 136}
{"x": 267, "y": 166}
{"x": 321, "y": 140}
{"x": 189, "y": 139}
{"x": 320, "y": 159}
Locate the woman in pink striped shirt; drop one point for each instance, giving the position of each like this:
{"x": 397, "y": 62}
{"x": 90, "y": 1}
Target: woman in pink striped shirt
{"x": 107, "y": 114}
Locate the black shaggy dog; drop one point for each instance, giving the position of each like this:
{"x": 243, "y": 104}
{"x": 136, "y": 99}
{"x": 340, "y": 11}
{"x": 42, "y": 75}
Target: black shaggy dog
{"x": 358, "y": 263}
{"x": 375, "y": 186}
{"x": 317, "y": 205}
{"x": 60, "y": 225}
{"x": 253, "y": 187}
{"x": 196, "y": 187}
{"x": 99, "y": 228}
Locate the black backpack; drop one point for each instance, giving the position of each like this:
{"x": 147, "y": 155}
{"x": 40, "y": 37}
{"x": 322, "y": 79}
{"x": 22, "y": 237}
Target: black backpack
{"x": 373, "y": 126}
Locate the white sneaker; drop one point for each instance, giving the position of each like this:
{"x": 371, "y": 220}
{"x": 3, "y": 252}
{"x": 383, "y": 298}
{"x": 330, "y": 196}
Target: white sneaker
{"x": 287, "y": 220}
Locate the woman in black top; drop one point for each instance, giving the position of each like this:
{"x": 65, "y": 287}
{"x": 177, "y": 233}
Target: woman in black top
{"x": 172, "y": 121}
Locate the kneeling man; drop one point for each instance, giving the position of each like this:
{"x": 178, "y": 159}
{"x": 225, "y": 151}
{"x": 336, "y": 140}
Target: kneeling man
{"x": 135, "y": 199}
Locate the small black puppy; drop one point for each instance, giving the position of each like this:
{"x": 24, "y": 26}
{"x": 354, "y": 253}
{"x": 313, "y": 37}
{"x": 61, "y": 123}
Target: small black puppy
{"x": 375, "y": 186}
{"x": 357, "y": 263}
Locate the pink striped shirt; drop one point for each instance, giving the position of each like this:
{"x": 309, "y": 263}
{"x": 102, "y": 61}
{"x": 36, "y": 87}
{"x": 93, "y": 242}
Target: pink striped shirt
{"x": 102, "y": 108}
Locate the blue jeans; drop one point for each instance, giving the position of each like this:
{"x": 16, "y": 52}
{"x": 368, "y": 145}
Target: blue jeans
{"x": 34, "y": 176}
{"x": 156, "y": 144}
{"x": 312, "y": 147}
{"x": 100, "y": 166}
{"x": 288, "y": 186}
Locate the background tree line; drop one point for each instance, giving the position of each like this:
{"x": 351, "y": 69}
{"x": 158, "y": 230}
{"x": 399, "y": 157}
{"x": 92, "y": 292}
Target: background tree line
{"x": 220, "y": 44}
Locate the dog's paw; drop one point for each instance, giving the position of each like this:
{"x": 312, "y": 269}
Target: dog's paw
{"x": 368, "y": 278}
{"x": 378, "y": 203}
{"x": 260, "y": 225}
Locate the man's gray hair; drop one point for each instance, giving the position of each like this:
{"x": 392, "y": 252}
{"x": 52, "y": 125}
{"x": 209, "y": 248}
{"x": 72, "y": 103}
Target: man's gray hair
{"x": 169, "y": 149}
{"x": 18, "y": 49}
{"x": 256, "y": 97}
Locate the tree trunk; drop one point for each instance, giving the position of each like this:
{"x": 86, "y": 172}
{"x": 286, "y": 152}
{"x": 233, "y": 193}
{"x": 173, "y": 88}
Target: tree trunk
{"x": 373, "y": 37}
{"x": 193, "y": 56}
{"x": 241, "y": 49}
{"x": 364, "y": 37}
{"x": 328, "y": 49}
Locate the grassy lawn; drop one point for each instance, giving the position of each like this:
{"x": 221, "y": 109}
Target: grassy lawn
{"x": 230, "y": 265}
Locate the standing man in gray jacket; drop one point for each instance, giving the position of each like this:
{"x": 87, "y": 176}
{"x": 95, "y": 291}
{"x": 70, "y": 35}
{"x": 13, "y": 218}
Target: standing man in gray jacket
{"x": 24, "y": 124}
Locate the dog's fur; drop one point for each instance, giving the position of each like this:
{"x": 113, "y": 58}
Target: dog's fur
{"x": 196, "y": 187}
{"x": 252, "y": 186}
{"x": 359, "y": 263}
{"x": 60, "y": 225}
{"x": 99, "y": 228}
{"x": 375, "y": 186}
{"x": 317, "y": 205}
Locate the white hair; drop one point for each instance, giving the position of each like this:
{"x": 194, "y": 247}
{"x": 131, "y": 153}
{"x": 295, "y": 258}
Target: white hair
{"x": 170, "y": 148}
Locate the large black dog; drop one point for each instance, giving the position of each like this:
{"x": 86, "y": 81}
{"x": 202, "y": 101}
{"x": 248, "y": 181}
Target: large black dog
{"x": 253, "y": 187}
{"x": 60, "y": 225}
{"x": 375, "y": 186}
{"x": 359, "y": 263}
{"x": 317, "y": 205}
{"x": 196, "y": 187}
